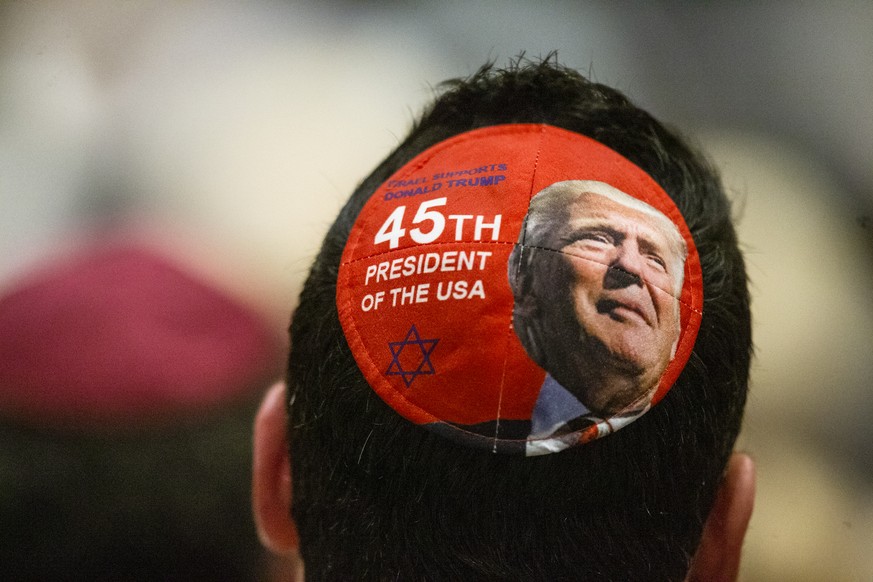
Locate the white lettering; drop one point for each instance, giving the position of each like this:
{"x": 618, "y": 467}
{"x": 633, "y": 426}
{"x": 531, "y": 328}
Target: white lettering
{"x": 459, "y": 224}
{"x": 426, "y": 263}
{"x": 482, "y": 225}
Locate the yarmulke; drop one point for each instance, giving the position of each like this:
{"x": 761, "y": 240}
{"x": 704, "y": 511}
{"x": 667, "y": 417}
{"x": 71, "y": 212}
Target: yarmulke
{"x": 121, "y": 335}
{"x": 521, "y": 288}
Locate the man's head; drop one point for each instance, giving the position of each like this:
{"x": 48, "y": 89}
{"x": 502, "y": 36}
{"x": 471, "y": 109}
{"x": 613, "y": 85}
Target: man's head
{"x": 127, "y": 386}
{"x": 596, "y": 279}
{"x": 377, "y": 497}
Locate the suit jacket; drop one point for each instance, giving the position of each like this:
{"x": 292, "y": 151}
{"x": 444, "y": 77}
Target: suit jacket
{"x": 559, "y": 420}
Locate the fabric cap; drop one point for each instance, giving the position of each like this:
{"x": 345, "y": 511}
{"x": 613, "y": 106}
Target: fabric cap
{"x": 521, "y": 288}
{"x": 120, "y": 335}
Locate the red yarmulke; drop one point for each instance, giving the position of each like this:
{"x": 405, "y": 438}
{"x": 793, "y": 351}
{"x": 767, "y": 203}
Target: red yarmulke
{"x": 521, "y": 288}
{"x": 120, "y": 335}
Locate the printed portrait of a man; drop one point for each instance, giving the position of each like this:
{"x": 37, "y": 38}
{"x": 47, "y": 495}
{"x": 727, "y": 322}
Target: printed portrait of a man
{"x": 596, "y": 277}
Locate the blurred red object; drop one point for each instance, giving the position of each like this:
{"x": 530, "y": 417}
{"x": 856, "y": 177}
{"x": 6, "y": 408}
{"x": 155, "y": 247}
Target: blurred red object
{"x": 120, "y": 335}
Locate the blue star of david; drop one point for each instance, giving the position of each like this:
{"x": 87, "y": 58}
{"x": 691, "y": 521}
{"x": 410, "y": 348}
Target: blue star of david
{"x": 425, "y": 367}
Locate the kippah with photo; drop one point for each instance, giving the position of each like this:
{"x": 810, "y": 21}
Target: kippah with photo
{"x": 520, "y": 288}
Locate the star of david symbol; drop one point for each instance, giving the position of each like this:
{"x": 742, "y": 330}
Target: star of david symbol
{"x": 416, "y": 367}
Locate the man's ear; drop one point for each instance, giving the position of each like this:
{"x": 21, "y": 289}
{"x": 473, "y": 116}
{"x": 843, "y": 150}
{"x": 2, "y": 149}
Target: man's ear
{"x": 718, "y": 555}
{"x": 271, "y": 476}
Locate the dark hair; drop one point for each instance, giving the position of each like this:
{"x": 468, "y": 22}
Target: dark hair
{"x": 165, "y": 501}
{"x": 378, "y": 498}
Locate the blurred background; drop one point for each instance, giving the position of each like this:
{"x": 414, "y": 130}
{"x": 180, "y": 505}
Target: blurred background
{"x": 228, "y": 134}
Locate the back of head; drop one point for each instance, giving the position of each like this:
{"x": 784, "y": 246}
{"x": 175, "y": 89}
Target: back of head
{"x": 127, "y": 386}
{"x": 376, "y": 497}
